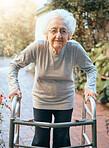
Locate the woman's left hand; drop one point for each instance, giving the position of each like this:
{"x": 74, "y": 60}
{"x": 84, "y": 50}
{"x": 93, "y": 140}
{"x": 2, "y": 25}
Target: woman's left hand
{"x": 89, "y": 92}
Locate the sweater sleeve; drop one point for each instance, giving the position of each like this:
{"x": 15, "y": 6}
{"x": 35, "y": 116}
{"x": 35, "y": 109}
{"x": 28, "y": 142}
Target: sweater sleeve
{"x": 85, "y": 63}
{"x": 25, "y": 57}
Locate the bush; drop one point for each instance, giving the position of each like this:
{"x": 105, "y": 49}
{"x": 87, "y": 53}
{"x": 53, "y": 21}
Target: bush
{"x": 17, "y": 27}
{"x": 3, "y": 103}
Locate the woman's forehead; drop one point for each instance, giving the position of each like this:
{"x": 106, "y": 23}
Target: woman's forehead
{"x": 58, "y": 27}
{"x": 57, "y": 23}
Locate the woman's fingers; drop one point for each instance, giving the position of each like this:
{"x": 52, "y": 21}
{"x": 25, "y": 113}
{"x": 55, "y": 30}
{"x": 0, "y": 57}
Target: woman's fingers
{"x": 89, "y": 92}
{"x": 15, "y": 91}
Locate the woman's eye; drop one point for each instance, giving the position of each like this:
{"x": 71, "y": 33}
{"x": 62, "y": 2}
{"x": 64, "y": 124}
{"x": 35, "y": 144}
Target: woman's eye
{"x": 63, "y": 31}
{"x": 53, "y": 30}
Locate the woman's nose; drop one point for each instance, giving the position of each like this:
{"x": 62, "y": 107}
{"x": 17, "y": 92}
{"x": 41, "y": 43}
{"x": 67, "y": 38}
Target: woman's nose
{"x": 59, "y": 35}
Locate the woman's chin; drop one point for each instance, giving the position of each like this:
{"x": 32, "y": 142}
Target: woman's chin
{"x": 57, "y": 50}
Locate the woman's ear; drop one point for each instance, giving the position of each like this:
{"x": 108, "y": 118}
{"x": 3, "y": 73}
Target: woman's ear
{"x": 69, "y": 36}
{"x": 46, "y": 35}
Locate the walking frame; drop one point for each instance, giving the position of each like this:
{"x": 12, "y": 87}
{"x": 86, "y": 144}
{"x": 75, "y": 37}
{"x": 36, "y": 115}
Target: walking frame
{"x": 15, "y": 123}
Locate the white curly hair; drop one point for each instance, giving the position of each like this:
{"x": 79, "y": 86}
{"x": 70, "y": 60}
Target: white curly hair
{"x": 65, "y": 15}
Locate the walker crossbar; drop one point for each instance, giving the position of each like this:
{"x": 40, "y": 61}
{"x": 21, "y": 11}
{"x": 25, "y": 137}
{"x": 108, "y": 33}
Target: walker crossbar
{"x": 53, "y": 125}
{"x": 15, "y": 122}
{"x": 87, "y": 145}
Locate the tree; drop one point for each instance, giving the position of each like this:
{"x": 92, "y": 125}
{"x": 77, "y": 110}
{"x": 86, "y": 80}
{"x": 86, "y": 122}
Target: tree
{"x": 92, "y": 19}
{"x": 17, "y": 27}
{"x": 92, "y": 31}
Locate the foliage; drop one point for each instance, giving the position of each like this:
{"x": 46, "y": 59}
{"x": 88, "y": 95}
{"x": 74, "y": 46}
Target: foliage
{"x": 91, "y": 17}
{"x": 17, "y": 27}
{"x": 2, "y": 144}
{"x": 3, "y": 103}
{"x": 101, "y": 61}
{"x": 104, "y": 93}
{"x": 91, "y": 31}
{"x": 80, "y": 78}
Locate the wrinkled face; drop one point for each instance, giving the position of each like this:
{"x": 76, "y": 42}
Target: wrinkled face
{"x": 57, "y": 34}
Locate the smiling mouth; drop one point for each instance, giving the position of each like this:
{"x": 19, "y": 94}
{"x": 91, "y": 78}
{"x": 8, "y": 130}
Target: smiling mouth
{"x": 58, "y": 40}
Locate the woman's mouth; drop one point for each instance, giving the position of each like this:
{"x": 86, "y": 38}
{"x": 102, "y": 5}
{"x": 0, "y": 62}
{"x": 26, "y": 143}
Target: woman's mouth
{"x": 58, "y": 40}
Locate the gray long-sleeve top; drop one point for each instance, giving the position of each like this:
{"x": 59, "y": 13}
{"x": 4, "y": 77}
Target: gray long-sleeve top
{"x": 54, "y": 84}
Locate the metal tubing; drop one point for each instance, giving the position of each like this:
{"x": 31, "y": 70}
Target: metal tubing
{"x": 18, "y": 126}
{"x": 13, "y": 108}
{"x": 83, "y": 127}
{"x": 17, "y": 108}
{"x": 19, "y": 145}
{"x": 11, "y": 133}
{"x": 93, "y": 117}
{"x": 86, "y": 145}
{"x": 15, "y": 138}
{"x": 93, "y": 107}
{"x": 87, "y": 139}
{"x": 54, "y": 125}
{"x": 94, "y": 135}
{"x": 87, "y": 109}
{"x": 92, "y": 122}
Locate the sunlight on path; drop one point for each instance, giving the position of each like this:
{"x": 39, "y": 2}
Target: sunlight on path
{"x": 3, "y": 68}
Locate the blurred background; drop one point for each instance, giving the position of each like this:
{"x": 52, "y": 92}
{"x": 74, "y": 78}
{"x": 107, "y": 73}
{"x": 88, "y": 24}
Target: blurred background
{"x": 20, "y": 24}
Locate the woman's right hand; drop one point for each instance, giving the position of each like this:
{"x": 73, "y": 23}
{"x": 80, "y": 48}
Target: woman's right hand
{"x": 15, "y": 91}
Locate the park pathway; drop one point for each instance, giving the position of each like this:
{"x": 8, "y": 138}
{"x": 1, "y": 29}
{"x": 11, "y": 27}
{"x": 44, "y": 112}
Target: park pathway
{"x": 26, "y": 133}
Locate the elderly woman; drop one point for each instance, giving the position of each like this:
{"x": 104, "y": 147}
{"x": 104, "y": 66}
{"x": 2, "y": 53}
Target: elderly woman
{"x": 53, "y": 91}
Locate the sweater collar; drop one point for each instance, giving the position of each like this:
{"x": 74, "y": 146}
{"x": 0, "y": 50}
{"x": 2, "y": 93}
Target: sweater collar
{"x": 56, "y": 55}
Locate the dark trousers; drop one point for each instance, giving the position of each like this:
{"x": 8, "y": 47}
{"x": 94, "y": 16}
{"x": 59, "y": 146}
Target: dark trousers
{"x": 61, "y": 136}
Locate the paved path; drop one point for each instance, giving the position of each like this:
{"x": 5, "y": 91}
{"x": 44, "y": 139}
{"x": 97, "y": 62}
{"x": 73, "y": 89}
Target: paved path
{"x": 26, "y": 133}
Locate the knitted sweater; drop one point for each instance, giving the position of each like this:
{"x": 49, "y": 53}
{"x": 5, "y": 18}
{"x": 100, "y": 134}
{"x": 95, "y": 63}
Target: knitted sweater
{"x": 54, "y": 83}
